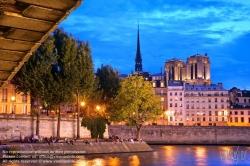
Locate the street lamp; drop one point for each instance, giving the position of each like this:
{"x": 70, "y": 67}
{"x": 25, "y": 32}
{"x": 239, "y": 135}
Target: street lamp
{"x": 82, "y": 105}
{"x": 13, "y": 99}
{"x": 98, "y": 108}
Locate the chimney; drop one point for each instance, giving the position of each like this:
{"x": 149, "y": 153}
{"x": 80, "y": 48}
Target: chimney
{"x": 219, "y": 84}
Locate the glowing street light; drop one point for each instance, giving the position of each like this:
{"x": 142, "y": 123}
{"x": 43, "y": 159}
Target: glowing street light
{"x": 82, "y": 103}
{"x": 13, "y": 98}
{"x": 98, "y": 107}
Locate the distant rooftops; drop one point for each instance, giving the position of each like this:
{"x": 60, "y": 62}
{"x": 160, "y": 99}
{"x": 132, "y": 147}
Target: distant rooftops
{"x": 246, "y": 93}
{"x": 175, "y": 83}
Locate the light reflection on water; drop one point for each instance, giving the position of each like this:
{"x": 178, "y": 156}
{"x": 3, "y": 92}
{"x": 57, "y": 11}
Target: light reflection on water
{"x": 174, "y": 155}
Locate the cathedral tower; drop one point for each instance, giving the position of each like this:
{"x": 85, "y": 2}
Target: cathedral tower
{"x": 138, "y": 59}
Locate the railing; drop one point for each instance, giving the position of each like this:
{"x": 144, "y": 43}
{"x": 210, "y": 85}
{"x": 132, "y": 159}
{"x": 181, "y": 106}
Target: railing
{"x": 186, "y": 95}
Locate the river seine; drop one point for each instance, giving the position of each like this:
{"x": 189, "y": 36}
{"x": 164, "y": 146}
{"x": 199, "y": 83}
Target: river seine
{"x": 174, "y": 155}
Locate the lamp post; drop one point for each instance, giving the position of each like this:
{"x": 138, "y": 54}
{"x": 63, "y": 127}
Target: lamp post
{"x": 13, "y": 99}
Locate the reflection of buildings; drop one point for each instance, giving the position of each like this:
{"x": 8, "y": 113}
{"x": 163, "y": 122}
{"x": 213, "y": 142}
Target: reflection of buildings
{"x": 12, "y": 102}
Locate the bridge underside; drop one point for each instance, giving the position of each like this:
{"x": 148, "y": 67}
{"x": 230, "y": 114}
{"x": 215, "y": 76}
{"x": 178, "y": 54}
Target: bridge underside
{"x": 24, "y": 25}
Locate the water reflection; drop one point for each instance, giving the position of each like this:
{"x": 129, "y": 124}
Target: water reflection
{"x": 170, "y": 155}
{"x": 200, "y": 155}
{"x": 134, "y": 160}
{"x": 114, "y": 161}
{"x": 174, "y": 155}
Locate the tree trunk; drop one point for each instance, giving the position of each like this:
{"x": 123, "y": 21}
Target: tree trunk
{"x": 138, "y": 131}
{"x": 37, "y": 117}
{"x": 59, "y": 121}
{"x": 78, "y": 117}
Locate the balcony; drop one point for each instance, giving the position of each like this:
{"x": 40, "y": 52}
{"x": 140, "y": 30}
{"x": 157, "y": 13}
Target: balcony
{"x": 187, "y": 95}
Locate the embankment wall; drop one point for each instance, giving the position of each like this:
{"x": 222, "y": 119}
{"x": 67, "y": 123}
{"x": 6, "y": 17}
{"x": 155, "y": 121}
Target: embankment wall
{"x": 35, "y": 150}
{"x": 12, "y": 126}
{"x": 223, "y": 135}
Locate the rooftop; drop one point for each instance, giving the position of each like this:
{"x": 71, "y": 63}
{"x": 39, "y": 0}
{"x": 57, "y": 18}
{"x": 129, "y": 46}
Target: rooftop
{"x": 200, "y": 87}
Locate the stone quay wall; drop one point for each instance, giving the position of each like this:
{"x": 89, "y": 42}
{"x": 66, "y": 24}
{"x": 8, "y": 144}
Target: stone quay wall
{"x": 210, "y": 135}
{"x": 38, "y": 149}
{"x": 12, "y": 126}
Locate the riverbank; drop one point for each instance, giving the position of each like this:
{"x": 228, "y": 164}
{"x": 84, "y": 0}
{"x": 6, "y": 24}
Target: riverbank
{"x": 38, "y": 150}
{"x": 186, "y": 135}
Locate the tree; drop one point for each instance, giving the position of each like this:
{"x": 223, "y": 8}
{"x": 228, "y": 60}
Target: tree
{"x": 58, "y": 72}
{"x": 33, "y": 78}
{"x": 74, "y": 72}
{"x": 96, "y": 125}
{"x": 135, "y": 103}
{"x": 108, "y": 82}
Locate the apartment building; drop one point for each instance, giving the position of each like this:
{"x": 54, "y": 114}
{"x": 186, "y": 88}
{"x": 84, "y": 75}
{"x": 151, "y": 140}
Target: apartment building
{"x": 12, "y": 102}
{"x": 206, "y": 105}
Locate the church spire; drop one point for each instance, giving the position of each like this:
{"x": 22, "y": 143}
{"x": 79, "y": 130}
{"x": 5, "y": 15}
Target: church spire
{"x": 138, "y": 59}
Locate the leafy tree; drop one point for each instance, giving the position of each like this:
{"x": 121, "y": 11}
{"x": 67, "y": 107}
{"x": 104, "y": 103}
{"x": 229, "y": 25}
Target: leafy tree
{"x": 74, "y": 72}
{"x": 96, "y": 125}
{"x": 108, "y": 82}
{"x": 59, "y": 72}
{"x": 135, "y": 103}
{"x": 33, "y": 77}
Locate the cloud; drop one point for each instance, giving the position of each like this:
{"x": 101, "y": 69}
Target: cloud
{"x": 168, "y": 29}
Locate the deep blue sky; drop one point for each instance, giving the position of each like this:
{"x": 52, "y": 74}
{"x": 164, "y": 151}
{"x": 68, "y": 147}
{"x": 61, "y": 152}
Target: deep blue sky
{"x": 168, "y": 29}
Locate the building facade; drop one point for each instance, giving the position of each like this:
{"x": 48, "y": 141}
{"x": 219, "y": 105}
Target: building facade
{"x": 12, "y": 102}
{"x": 206, "y": 105}
{"x": 239, "y": 98}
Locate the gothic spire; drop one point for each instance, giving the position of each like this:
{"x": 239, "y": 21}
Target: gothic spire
{"x": 138, "y": 59}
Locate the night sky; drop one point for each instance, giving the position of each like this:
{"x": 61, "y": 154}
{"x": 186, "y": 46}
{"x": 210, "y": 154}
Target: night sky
{"x": 168, "y": 29}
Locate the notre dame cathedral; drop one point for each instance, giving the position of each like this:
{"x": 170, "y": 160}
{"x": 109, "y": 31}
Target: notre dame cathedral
{"x": 195, "y": 71}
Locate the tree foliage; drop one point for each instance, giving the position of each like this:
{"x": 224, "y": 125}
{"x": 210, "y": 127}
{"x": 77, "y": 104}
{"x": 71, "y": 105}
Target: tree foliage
{"x": 108, "y": 83}
{"x": 96, "y": 125}
{"x": 35, "y": 75}
{"x": 135, "y": 103}
{"x": 58, "y": 72}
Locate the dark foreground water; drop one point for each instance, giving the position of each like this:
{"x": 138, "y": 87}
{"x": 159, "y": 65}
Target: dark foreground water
{"x": 163, "y": 155}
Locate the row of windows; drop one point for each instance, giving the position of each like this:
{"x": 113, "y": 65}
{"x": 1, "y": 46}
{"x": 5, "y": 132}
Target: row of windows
{"x": 175, "y": 99}
{"x": 245, "y": 100}
{"x": 199, "y": 119}
{"x": 214, "y": 88}
{"x": 203, "y": 113}
{"x": 239, "y": 119}
{"x": 239, "y": 113}
{"x": 203, "y": 106}
{"x": 175, "y": 93}
{"x": 175, "y": 105}
{"x": 206, "y": 119}
{"x": 162, "y": 84}
{"x": 203, "y": 100}
{"x": 236, "y": 119}
{"x": 206, "y": 94}
{"x": 5, "y": 97}
{"x": 12, "y": 107}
